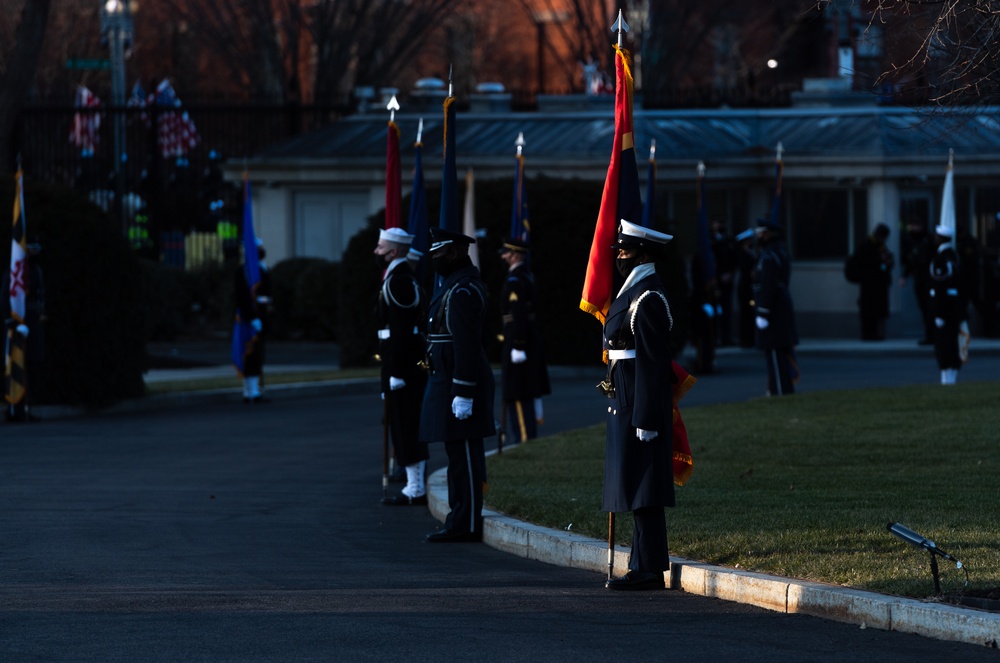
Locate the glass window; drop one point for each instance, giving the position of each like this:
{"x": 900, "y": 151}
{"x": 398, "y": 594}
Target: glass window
{"x": 821, "y": 222}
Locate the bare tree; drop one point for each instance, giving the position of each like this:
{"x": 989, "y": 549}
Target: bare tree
{"x": 19, "y": 63}
{"x": 949, "y": 48}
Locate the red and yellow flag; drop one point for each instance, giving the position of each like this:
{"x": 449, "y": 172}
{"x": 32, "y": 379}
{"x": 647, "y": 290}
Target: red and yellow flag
{"x": 621, "y": 198}
{"x": 683, "y": 460}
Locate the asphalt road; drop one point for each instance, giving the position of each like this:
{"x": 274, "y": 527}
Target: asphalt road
{"x": 230, "y": 532}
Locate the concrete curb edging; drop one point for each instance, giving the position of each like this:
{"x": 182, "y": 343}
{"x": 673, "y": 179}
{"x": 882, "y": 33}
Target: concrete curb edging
{"x": 842, "y": 604}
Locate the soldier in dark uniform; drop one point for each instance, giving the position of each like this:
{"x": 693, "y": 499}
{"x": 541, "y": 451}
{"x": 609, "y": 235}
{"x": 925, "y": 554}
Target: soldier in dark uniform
{"x": 458, "y": 402}
{"x": 777, "y": 334}
{"x": 525, "y": 375}
{"x": 948, "y": 306}
{"x": 638, "y": 472}
{"x": 746, "y": 260}
{"x": 874, "y": 263}
{"x": 400, "y": 317}
{"x": 726, "y": 256}
{"x": 255, "y": 307}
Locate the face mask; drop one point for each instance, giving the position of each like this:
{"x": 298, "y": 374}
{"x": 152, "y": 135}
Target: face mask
{"x": 626, "y": 265}
{"x": 380, "y": 261}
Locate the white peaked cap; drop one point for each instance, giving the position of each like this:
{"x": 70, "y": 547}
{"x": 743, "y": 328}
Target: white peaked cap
{"x": 397, "y": 235}
{"x": 643, "y": 233}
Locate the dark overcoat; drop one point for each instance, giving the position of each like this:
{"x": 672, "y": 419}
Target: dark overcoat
{"x": 947, "y": 302}
{"x": 458, "y": 362}
{"x": 772, "y": 298}
{"x": 529, "y": 379}
{"x": 639, "y": 474}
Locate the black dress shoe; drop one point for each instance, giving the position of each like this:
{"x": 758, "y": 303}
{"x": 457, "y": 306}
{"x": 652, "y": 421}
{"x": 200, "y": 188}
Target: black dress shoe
{"x": 636, "y": 581}
{"x": 405, "y": 500}
{"x": 448, "y": 536}
{"x": 399, "y": 476}
{"x": 260, "y": 399}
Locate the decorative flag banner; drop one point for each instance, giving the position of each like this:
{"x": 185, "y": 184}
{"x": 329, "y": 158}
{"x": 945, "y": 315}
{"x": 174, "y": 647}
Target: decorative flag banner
{"x": 649, "y": 205}
{"x": 449, "y": 175}
{"x": 393, "y": 174}
{"x": 948, "y": 194}
{"x": 621, "y": 198}
{"x": 520, "y": 226}
{"x": 15, "y": 375}
{"x": 244, "y": 335}
{"x": 84, "y": 131}
{"x": 176, "y": 131}
{"x": 469, "y": 218}
{"x": 418, "y": 206}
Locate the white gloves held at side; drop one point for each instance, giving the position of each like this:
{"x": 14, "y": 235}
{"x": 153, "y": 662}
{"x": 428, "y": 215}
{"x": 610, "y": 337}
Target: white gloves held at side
{"x": 396, "y": 383}
{"x": 762, "y": 322}
{"x": 461, "y": 407}
{"x": 939, "y": 322}
{"x": 23, "y": 330}
{"x": 257, "y": 325}
{"x": 518, "y": 356}
{"x": 645, "y": 435}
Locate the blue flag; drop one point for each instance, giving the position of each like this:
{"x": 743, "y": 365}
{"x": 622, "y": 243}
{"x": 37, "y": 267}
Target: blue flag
{"x": 520, "y": 226}
{"x": 706, "y": 257}
{"x": 449, "y": 176}
{"x": 243, "y": 334}
{"x": 418, "y": 210}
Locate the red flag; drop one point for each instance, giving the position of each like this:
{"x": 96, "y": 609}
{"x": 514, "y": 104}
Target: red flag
{"x": 621, "y": 198}
{"x": 393, "y": 180}
{"x": 683, "y": 461}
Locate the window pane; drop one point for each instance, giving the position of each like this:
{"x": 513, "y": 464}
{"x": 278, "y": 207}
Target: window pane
{"x": 819, "y": 224}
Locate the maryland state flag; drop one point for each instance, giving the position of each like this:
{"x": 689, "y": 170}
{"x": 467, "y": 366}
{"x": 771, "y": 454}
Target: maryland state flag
{"x": 683, "y": 461}
{"x": 15, "y": 374}
{"x": 621, "y": 198}
{"x": 393, "y": 180}
{"x": 244, "y": 335}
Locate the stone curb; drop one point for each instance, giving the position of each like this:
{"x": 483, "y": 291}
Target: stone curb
{"x": 842, "y": 604}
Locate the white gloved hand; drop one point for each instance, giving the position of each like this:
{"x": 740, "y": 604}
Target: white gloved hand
{"x": 396, "y": 383}
{"x": 461, "y": 407}
{"x": 257, "y": 325}
{"x": 939, "y": 322}
{"x": 645, "y": 435}
{"x": 708, "y": 309}
{"x": 22, "y": 330}
{"x": 264, "y": 300}
{"x": 518, "y": 356}
{"x": 762, "y": 322}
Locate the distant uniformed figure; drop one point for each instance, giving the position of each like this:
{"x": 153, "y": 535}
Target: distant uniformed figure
{"x": 400, "y": 318}
{"x": 255, "y": 307}
{"x": 947, "y": 304}
{"x": 525, "y": 374}
{"x": 777, "y": 334}
{"x": 874, "y": 263}
{"x": 638, "y": 471}
{"x": 916, "y": 249}
{"x": 458, "y": 403}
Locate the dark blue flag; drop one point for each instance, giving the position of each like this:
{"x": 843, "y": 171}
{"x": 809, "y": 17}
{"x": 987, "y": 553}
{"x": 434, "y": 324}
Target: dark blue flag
{"x": 244, "y": 335}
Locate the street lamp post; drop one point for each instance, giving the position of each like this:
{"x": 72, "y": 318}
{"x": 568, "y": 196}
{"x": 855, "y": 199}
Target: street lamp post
{"x": 116, "y": 30}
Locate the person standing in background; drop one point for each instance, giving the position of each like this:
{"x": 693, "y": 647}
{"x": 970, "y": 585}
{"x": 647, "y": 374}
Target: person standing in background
{"x": 873, "y": 262}
{"x": 777, "y": 334}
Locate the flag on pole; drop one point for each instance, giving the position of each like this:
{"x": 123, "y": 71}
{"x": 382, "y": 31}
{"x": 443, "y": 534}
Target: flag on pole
{"x": 449, "y": 176}
{"x": 84, "y": 131}
{"x": 176, "y": 131}
{"x": 706, "y": 257}
{"x": 649, "y": 205}
{"x": 418, "y": 207}
{"x": 244, "y": 335}
{"x": 779, "y": 171}
{"x": 683, "y": 460}
{"x": 520, "y": 226}
{"x": 621, "y": 198}
{"x": 15, "y": 375}
{"x": 948, "y": 195}
{"x": 393, "y": 179}
{"x": 469, "y": 218}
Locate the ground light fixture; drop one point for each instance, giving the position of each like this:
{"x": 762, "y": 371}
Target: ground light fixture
{"x": 911, "y": 537}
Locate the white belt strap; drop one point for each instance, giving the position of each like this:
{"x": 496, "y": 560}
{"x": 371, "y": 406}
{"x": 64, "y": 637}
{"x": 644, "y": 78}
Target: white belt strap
{"x": 621, "y": 354}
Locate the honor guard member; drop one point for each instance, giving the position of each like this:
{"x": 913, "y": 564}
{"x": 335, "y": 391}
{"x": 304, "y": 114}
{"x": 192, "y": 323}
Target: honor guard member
{"x": 777, "y": 334}
{"x": 400, "y": 318}
{"x": 638, "y": 470}
{"x": 525, "y": 375}
{"x": 254, "y": 306}
{"x": 458, "y": 402}
{"x": 947, "y": 305}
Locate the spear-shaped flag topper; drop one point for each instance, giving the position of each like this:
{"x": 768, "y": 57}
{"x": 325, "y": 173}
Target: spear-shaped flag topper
{"x": 393, "y": 171}
{"x": 620, "y": 27}
{"x": 449, "y": 176}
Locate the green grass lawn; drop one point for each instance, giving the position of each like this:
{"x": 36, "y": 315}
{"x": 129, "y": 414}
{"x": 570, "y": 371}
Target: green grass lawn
{"x": 234, "y": 382}
{"x": 803, "y": 486}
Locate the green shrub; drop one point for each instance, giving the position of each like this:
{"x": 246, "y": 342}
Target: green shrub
{"x": 304, "y": 291}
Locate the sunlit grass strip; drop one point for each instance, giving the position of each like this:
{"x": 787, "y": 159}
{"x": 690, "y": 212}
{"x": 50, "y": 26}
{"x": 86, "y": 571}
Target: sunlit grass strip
{"x": 234, "y": 382}
{"x": 803, "y": 486}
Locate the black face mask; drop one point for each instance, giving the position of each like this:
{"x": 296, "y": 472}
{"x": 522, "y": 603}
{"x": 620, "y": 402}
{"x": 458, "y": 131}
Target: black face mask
{"x": 626, "y": 265}
{"x": 380, "y": 261}
{"x": 442, "y": 265}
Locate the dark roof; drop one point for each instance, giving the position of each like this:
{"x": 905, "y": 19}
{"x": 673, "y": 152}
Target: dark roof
{"x": 872, "y": 131}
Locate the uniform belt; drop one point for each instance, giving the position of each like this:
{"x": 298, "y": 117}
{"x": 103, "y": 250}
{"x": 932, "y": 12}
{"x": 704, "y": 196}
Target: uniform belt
{"x": 439, "y": 338}
{"x": 615, "y": 355}
{"x": 383, "y": 334}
